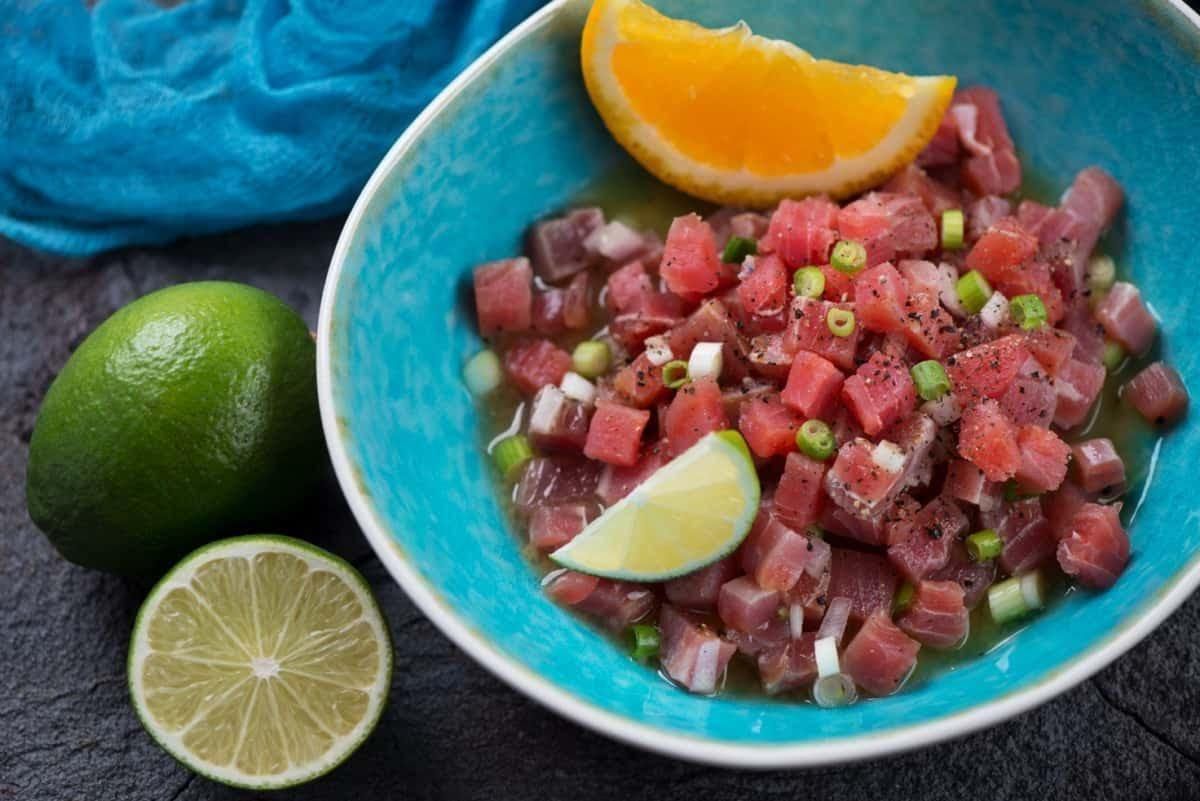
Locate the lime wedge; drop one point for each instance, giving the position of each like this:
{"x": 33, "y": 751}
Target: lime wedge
{"x": 692, "y": 512}
{"x": 260, "y": 662}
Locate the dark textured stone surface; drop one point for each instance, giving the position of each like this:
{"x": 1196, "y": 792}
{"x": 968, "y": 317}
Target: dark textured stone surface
{"x": 451, "y": 731}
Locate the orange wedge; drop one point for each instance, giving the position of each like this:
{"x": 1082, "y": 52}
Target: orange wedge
{"x": 737, "y": 118}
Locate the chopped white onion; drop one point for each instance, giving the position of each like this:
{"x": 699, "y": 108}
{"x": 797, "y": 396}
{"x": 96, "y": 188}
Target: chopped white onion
{"x": 658, "y": 350}
{"x": 549, "y": 578}
{"x": 578, "y": 388}
{"x": 947, "y": 289}
{"x": 796, "y": 620}
{"x": 1031, "y": 590}
{"x": 837, "y": 615}
{"x": 547, "y": 409}
{"x": 705, "y": 361}
{"x": 825, "y": 650}
{"x": 482, "y": 373}
{"x": 995, "y": 312}
{"x": 889, "y": 456}
{"x": 943, "y": 411}
{"x": 615, "y": 241}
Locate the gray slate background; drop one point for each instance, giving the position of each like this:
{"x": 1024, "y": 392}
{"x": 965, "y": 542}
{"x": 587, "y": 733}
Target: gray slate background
{"x": 451, "y": 730}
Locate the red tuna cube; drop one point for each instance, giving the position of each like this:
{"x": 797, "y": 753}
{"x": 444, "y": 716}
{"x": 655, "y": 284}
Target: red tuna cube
{"x": 655, "y": 314}
{"x": 1076, "y": 386}
{"x": 879, "y": 296}
{"x": 1096, "y": 550}
{"x": 1098, "y": 466}
{"x": 813, "y": 386}
{"x": 711, "y": 322}
{"x": 617, "y": 482}
{"x": 1051, "y": 347}
{"x": 809, "y": 331}
{"x": 692, "y": 654}
{"x": 788, "y": 667}
{"x": 802, "y": 231}
{"x": 982, "y": 214}
{"x": 888, "y": 225}
{"x": 922, "y": 544}
{"x": 552, "y": 527}
{"x": 938, "y": 615}
{"x": 798, "y": 495}
{"x": 1061, "y": 505}
{"x": 549, "y": 480}
{"x": 1030, "y": 398}
{"x": 1002, "y": 250}
{"x": 765, "y": 290}
{"x": 937, "y": 196}
{"x": 880, "y": 393}
{"x": 967, "y": 483}
{"x": 768, "y": 426}
{"x": 991, "y": 166}
{"x": 615, "y": 435}
{"x": 866, "y": 579}
{"x": 556, "y": 246}
{"x": 881, "y": 656}
{"x": 1044, "y": 458}
{"x": 866, "y": 477}
{"x": 700, "y": 589}
{"x": 776, "y": 556}
{"x": 974, "y": 577}
{"x": 1028, "y": 538}
{"x": 745, "y": 606}
{"x": 628, "y": 288}
{"x": 534, "y": 363}
{"x": 988, "y": 440}
{"x": 1158, "y": 394}
{"x": 615, "y": 604}
{"x": 987, "y": 370}
{"x": 943, "y": 150}
{"x": 557, "y": 423}
{"x": 504, "y": 296}
{"x": 640, "y": 383}
{"x": 769, "y": 358}
{"x": 928, "y": 327}
{"x": 695, "y": 411}
{"x": 839, "y": 287}
{"x": 690, "y": 263}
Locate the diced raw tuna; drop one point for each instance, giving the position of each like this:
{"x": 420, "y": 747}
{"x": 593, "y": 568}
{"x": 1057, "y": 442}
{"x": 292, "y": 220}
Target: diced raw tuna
{"x": 866, "y": 477}
{"x": 1035, "y": 278}
{"x": 640, "y": 383}
{"x": 617, "y": 482}
{"x": 615, "y": 434}
{"x": 556, "y": 422}
{"x": 983, "y": 212}
{"x": 866, "y": 579}
{"x": 937, "y": 196}
{"x": 925, "y": 549}
{"x": 974, "y": 577}
{"x": 1044, "y": 458}
{"x": 938, "y": 615}
{"x": 655, "y": 314}
{"x": 690, "y": 262}
{"x": 888, "y": 225}
{"x": 772, "y": 637}
{"x": 881, "y": 656}
{"x": 1061, "y": 505}
{"x": 556, "y": 310}
{"x": 943, "y": 149}
{"x": 802, "y": 231}
{"x": 813, "y": 386}
{"x": 791, "y": 666}
{"x": 711, "y": 322}
{"x": 967, "y": 483}
{"x": 798, "y": 495}
{"x": 987, "y": 370}
{"x": 769, "y": 426}
{"x": 551, "y": 527}
{"x": 768, "y": 357}
{"x": 627, "y": 288}
{"x": 733, "y": 399}
{"x": 1097, "y": 548}
{"x": 745, "y": 606}
{"x": 991, "y": 166}
{"x": 1077, "y": 386}
{"x": 1032, "y": 214}
{"x": 568, "y": 587}
{"x": 869, "y": 530}
{"x": 616, "y": 604}
{"x": 1002, "y": 250}
{"x": 879, "y": 296}
{"x": 928, "y": 327}
{"x": 838, "y": 285}
{"x": 1051, "y": 347}
{"x": 1158, "y": 394}
{"x": 1089, "y": 334}
{"x": 504, "y": 296}
{"x": 1098, "y": 466}
{"x": 556, "y": 246}
{"x": 880, "y": 393}
{"x": 695, "y": 411}
{"x": 916, "y": 435}
{"x": 1028, "y": 538}
{"x": 989, "y": 440}
{"x": 699, "y": 590}
{"x": 616, "y": 243}
{"x": 1126, "y": 319}
{"x": 549, "y": 480}
{"x": 533, "y": 363}
{"x": 1030, "y": 398}
{"x": 809, "y": 331}
{"x": 1088, "y": 207}
{"x": 692, "y": 654}
{"x": 776, "y": 556}
{"x": 765, "y": 290}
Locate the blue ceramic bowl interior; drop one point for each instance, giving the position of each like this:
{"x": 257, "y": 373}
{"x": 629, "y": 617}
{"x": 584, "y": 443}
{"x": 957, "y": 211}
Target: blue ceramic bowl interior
{"x": 1112, "y": 82}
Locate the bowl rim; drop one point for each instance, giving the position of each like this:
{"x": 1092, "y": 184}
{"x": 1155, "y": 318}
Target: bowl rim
{"x": 690, "y": 748}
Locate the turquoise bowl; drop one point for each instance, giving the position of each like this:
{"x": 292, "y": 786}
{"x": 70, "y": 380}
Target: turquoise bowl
{"x": 1110, "y": 82}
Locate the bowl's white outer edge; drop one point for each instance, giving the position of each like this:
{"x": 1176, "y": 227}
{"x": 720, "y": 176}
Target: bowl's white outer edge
{"x": 731, "y": 754}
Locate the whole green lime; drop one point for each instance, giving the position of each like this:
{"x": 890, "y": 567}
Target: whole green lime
{"x": 189, "y": 414}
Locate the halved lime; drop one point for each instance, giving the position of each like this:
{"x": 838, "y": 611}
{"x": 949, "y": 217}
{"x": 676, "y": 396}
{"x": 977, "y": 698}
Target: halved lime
{"x": 260, "y": 661}
{"x": 692, "y": 512}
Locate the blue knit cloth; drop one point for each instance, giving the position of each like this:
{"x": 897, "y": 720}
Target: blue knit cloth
{"x": 128, "y": 122}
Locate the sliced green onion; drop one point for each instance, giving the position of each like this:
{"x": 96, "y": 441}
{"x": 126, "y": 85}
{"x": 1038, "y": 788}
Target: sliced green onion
{"x": 590, "y": 359}
{"x": 973, "y": 291}
{"x": 835, "y": 690}
{"x": 815, "y": 439}
{"x": 511, "y": 453}
{"x": 1016, "y": 597}
{"x": 904, "y": 598}
{"x": 1114, "y": 354}
{"x": 675, "y": 374}
{"x": 952, "y": 229}
{"x": 985, "y": 545}
{"x": 1027, "y": 311}
{"x": 841, "y": 322}
{"x": 931, "y": 379}
{"x": 738, "y": 248}
{"x": 645, "y": 642}
{"x": 482, "y": 373}
{"x": 848, "y": 257}
{"x": 809, "y": 282}
{"x": 1101, "y": 274}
